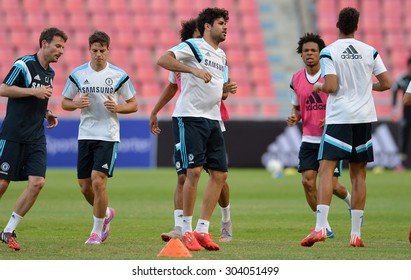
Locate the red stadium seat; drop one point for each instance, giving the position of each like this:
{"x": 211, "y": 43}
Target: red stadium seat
{"x": 122, "y": 20}
{"x": 393, "y": 8}
{"x": 264, "y": 90}
{"x": 159, "y": 7}
{"x": 19, "y": 38}
{"x": 150, "y": 90}
{"x": 347, "y": 3}
{"x": 124, "y": 38}
{"x": 184, "y": 6}
{"x": 96, "y": 6}
{"x": 139, "y": 7}
{"x": 326, "y": 7}
{"x": 146, "y": 38}
{"x": 36, "y": 21}
{"x": 249, "y": 22}
{"x": 9, "y": 6}
{"x": 13, "y": 21}
{"x": 269, "y": 110}
{"x": 79, "y": 21}
{"x": 59, "y": 20}
{"x": 248, "y": 6}
{"x": 253, "y": 39}
{"x": 371, "y": 23}
{"x": 79, "y": 38}
{"x": 145, "y": 73}
{"x": 74, "y": 6}
{"x": 31, "y": 6}
{"x": 119, "y": 6}
{"x": 100, "y": 21}
{"x": 246, "y": 110}
{"x": 392, "y": 23}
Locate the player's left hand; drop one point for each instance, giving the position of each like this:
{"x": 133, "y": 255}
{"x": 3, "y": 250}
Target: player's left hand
{"x": 111, "y": 104}
{"x": 230, "y": 87}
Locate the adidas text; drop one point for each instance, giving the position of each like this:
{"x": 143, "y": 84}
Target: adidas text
{"x": 351, "y": 56}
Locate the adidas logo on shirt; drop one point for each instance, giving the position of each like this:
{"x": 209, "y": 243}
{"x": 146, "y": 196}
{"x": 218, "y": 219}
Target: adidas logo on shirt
{"x": 37, "y": 77}
{"x": 86, "y": 82}
{"x": 314, "y": 102}
{"x": 351, "y": 53}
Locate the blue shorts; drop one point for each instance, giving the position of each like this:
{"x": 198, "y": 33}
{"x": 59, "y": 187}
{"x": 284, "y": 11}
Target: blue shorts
{"x": 308, "y": 156}
{"x": 347, "y": 141}
{"x": 198, "y": 142}
{"x": 96, "y": 155}
{"x": 19, "y": 160}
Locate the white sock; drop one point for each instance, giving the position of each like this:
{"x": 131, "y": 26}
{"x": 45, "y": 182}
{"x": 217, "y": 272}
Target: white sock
{"x": 327, "y": 224}
{"x": 348, "y": 200}
{"x": 187, "y": 224}
{"x": 13, "y": 222}
{"x": 178, "y": 218}
{"x": 225, "y": 213}
{"x": 322, "y": 216}
{"x": 202, "y": 226}
{"x": 108, "y": 212}
{"x": 356, "y": 221}
{"x": 98, "y": 226}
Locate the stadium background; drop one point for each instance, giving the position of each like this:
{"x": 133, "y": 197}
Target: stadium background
{"x": 260, "y": 46}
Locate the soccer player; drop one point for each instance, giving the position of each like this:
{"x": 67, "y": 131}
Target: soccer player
{"x": 401, "y": 84}
{"x": 23, "y": 155}
{"x": 310, "y": 107}
{"x": 189, "y": 30}
{"x": 407, "y": 102}
{"x": 99, "y": 85}
{"x": 347, "y": 66}
{"x": 196, "y": 120}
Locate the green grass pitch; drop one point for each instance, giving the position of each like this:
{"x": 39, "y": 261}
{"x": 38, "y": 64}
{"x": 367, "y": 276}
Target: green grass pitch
{"x": 270, "y": 217}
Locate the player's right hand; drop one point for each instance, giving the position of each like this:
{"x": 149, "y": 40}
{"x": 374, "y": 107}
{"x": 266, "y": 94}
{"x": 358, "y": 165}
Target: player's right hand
{"x": 154, "y": 125}
{"x": 84, "y": 101}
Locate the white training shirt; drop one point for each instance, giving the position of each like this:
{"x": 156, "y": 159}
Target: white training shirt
{"x": 197, "y": 98}
{"x": 354, "y": 63}
{"x": 96, "y": 122}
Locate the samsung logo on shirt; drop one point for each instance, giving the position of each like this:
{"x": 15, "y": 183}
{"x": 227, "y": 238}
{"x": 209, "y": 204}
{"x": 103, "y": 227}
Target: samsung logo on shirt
{"x": 108, "y": 90}
{"x": 214, "y": 65}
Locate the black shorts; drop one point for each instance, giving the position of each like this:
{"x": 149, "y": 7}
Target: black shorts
{"x": 198, "y": 142}
{"x": 308, "y": 157}
{"x": 347, "y": 141}
{"x": 96, "y": 155}
{"x": 18, "y": 161}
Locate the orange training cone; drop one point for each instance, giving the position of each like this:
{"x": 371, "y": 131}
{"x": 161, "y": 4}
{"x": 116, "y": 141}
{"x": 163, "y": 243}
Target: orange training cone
{"x": 175, "y": 248}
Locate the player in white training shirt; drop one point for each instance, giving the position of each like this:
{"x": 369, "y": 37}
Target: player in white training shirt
{"x": 347, "y": 66}
{"x": 196, "y": 119}
{"x": 99, "y": 85}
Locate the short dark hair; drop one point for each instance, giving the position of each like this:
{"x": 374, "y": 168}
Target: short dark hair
{"x": 49, "y": 33}
{"x": 187, "y": 29}
{"x": 348, "y": 20}
{"x": 409, "y": 61}
{"x": 209, "y": 15}
{"x": 99, "y": 37}
{"x": 310, "y": 37}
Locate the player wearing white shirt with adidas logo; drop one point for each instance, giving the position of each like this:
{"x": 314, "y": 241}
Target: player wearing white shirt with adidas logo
{"x": 99, "y": 85}
{"x": 347, "y": 66}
